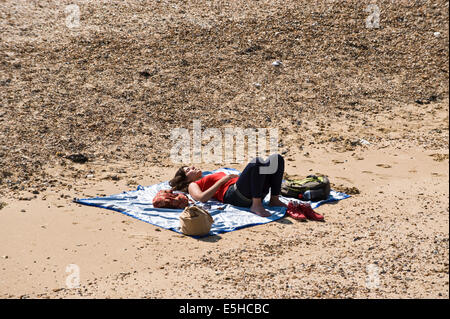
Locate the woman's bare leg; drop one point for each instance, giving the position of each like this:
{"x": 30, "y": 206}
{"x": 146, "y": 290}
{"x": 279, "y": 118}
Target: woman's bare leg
{"x": 258, "y": 208}
{"x": 275, "y": 201}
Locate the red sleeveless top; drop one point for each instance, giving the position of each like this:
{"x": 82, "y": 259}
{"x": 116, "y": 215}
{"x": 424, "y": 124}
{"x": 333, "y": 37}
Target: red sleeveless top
{"x": 209, "y": 180}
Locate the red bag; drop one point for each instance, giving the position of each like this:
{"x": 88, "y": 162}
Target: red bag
{"x": 167, "y": 199}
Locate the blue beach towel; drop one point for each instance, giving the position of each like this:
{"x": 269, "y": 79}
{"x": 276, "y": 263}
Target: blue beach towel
{"x": 138, "y": 204}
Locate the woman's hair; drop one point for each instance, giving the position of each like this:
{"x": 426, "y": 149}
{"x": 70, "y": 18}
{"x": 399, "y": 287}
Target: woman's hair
{"x": 180, "y": 182}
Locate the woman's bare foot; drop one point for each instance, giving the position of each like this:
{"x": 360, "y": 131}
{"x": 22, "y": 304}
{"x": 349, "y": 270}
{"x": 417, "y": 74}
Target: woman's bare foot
{"x": 258, "y": 209}
{"x": 274, "y": 201}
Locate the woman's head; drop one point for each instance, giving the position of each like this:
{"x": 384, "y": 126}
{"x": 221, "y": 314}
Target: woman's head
{"x": 184, "y": 176}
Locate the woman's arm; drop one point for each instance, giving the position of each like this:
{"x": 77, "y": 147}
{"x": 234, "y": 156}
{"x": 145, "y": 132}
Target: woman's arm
{"x": 197, "y": 194}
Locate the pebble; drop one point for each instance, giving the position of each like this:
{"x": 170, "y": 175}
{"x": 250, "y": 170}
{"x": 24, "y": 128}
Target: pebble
{"x": 277, "y": 63}
{"x": 364, "y": 142}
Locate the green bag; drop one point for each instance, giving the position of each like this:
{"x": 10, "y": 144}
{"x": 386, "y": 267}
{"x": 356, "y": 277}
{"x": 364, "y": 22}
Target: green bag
{"x": 318, "y": 185}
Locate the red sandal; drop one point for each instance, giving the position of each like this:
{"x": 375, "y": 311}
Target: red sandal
{"x": 293, "y": 210}
{"x": 307, "y": 211}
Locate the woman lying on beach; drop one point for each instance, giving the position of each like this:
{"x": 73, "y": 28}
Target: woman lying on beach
{"x": 245, "y": 190}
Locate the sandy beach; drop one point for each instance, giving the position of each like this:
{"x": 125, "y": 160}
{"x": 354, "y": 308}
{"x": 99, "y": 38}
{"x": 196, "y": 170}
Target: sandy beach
{"x": 364, "y": 102}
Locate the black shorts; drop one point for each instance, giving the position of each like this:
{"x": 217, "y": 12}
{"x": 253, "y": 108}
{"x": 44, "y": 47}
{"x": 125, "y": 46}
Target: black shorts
{"x": 234, "y": 197}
